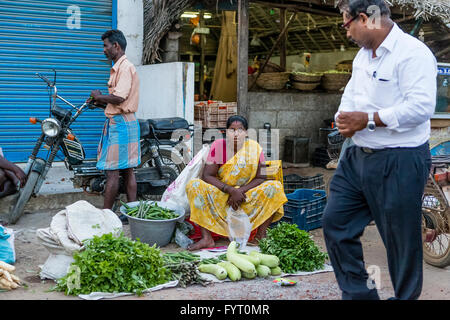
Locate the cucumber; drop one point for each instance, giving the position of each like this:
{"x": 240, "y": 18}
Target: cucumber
{"x": 214, "y": 269}
{"x": 249, "y": 275}
{"x": 242, "y": 263}
{"x": 275, "y": 271}
{"x": 233, "y": 272}
{"x": 253, "y": 259}
{"x": 263, "y": 271}
{"x": 266, "y": 259}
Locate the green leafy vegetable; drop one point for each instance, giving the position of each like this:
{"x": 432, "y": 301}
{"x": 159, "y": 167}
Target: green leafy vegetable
{"x": 114, "y": 264}
{"x": 294, "y": 247}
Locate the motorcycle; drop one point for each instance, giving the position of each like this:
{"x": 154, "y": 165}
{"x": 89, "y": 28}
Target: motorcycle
{"x": 164, "y": 152}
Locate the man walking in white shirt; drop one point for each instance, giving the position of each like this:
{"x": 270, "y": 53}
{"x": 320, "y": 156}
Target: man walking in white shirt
{"x": 385, "y": 109}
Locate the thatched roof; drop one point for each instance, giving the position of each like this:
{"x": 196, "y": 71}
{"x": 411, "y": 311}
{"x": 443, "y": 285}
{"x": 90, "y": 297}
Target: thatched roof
{"x": 159, "y": 16}
{"x": 426, "y": 8}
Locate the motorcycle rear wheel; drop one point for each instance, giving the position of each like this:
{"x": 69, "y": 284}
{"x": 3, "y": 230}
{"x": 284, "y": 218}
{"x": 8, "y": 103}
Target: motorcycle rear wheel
{"x": 23, "y": 197}
{"x": 158, "y": 192}
{"x": 170, "y": 160}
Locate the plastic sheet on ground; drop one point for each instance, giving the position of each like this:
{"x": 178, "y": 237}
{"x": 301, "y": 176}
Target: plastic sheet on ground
{"x": 204, "y": 254}
{"x": 107, "y": 295}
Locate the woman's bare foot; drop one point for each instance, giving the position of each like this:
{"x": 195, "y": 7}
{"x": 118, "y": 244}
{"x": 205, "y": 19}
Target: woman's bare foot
{"x": 205, "y": 242}
{"x": 202, "y": 243}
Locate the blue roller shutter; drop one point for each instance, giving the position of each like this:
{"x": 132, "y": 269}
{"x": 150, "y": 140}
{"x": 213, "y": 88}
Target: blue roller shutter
{"x": 41, "y": 35}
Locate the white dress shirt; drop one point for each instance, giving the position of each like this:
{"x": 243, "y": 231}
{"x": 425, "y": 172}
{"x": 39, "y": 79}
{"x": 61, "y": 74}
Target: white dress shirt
{"x": 400, "y": 84}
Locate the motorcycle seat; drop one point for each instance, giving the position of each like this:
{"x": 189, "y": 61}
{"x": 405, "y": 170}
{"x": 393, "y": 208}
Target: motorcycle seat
{"x": 168, "y": 124}
{"x": 144, "y": 127}
{"x": 163, "y": 128}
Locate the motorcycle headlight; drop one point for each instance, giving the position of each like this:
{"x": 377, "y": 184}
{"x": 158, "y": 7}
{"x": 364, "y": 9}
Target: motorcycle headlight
{"x": 50, "y": 127}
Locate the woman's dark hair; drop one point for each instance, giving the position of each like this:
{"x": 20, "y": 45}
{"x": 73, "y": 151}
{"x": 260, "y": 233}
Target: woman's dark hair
{"x": 241, "y": 119}
{"x": 355, "y": 7}
{"x": 115, "y": 36}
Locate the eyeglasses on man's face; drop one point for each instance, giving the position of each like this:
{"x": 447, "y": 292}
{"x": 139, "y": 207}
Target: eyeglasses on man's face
{"x": 347, "y": 24}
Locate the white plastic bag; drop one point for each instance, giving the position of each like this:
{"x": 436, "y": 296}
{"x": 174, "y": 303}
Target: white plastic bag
{"x": 176, "y": 192}
{"x": 7, "y": 251}
{"x": 239, "y": 226}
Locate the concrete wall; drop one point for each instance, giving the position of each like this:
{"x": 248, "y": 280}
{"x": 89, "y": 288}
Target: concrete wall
{"x": 294, "y": 114}
{"x": 130, "y": 20}
{"x": 166, "y": 90}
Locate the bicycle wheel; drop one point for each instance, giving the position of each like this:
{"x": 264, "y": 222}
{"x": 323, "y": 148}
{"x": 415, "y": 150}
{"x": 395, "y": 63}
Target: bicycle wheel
{"x": 435, "y": 225}
{"x": 436, "y": 238}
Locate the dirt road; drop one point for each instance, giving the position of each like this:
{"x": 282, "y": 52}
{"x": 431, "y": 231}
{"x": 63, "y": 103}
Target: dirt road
{"x": 31, "y": 254}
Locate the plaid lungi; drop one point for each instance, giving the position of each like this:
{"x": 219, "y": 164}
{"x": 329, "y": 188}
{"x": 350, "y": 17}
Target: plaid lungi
{"x": 119, "y": 146}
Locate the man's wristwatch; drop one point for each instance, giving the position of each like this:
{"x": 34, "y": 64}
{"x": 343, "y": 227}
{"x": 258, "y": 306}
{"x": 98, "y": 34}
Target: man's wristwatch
{"x": 371, "y": 123}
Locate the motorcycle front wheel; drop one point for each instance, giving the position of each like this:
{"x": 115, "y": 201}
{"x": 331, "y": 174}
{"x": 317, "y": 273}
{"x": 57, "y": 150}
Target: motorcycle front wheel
{"x": 24, "y": 195}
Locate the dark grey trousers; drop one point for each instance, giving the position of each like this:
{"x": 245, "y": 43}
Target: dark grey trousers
{"x": 385, "y": 186}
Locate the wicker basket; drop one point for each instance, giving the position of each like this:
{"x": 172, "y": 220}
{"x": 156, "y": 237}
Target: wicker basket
{"x": 305, "y": 86}
{"x": 306, "y": 78}
{"x": 335, "y": 81}
{"x": 273, "y": 80}
{"x": 270, "y": 67}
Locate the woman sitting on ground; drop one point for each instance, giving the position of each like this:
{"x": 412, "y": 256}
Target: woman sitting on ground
{"x": 233, "y": 177}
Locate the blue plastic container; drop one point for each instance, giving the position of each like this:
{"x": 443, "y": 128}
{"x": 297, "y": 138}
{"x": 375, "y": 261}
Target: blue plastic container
{"x": 305, "y": 208}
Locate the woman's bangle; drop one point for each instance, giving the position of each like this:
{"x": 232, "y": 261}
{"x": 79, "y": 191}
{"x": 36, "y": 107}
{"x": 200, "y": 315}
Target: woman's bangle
{"x": 224, "y": 187}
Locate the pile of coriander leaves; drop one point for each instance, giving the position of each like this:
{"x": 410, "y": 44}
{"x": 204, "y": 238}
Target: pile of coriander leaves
{"x": 114, "y": 264}
{"x": 295, "y": 248}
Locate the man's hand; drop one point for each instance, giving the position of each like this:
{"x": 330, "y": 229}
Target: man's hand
{"x": 95, "y": 94}
{"x": 350, "y": 122}
{"x": 102, "y": 100}
{"x": 21, "y": 176}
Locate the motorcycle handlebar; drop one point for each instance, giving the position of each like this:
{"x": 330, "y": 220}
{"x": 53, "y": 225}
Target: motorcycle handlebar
{"x": 45, "y": 79}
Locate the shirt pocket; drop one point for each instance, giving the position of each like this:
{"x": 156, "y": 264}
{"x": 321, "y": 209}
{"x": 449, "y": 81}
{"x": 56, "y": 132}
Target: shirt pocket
{"x": 385, "y": 90}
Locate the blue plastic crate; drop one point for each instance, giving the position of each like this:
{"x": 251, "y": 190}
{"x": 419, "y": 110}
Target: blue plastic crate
{"x": 305, "y": 208}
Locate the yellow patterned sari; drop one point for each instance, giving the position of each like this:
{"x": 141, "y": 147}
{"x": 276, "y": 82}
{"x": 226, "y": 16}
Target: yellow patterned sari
{"x": 208, "y": 204}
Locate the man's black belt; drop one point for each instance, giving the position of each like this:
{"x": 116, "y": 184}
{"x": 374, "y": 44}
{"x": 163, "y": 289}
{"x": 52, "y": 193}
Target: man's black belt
{"x": 369, "y": 150}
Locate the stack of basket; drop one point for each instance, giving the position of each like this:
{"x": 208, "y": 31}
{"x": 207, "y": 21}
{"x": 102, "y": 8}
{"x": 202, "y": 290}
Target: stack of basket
{"x": 305, "y": 81}
{"x": 335, "y": 80}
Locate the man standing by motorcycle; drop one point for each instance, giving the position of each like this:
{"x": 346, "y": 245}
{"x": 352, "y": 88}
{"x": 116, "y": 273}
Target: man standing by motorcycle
{"x": 119, "y": 148}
